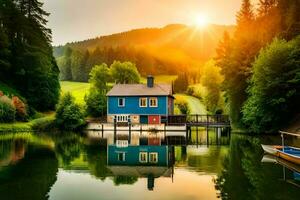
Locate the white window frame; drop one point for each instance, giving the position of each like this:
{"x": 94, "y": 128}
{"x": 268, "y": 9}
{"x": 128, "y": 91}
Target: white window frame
{"x": 146, "y": 102}
{"x": 122, "y": 118}
{"x": 155, "y": 154}
{"x": 143, "y": 154}
{"x": 155, "y": 100}
{"x": 123, "y": 155}
{"x": 123, "y": 100}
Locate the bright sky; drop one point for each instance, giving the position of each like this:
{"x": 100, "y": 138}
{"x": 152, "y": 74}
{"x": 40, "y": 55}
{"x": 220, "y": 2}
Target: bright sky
{"x": 74, "y": 20}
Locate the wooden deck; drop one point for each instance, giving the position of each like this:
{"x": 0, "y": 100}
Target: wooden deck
{"x": 171, "y": 123}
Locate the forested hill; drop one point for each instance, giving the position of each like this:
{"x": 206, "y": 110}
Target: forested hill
{"x": 153, "y": 50}
{"x": 27, "y": 65}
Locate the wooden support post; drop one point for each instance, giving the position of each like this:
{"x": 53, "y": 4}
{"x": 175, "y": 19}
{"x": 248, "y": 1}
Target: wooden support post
{"x": 207, "y": 136}
{"x": 186, "y": 135}
{"x": 141, "y": 129}
{"x": 282, "y": 141}
{"x": 216, "y": 132}
{"x": 102, "y": 128}
{"x": 129, "y": 126}
{"x": 219, "y": 135}
{"x": 207, "y": 120}
{"x": 115, "y": 130}
{"x": 183, "y": 152}
{"x": 197, "y": 133}
{"x": 165, "y": 131}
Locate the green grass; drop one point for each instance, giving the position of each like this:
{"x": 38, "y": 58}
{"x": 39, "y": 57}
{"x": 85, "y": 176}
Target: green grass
{"x": 77, "y": 89}
{"x": 16, "y": 127}
{"x": 161, "y": 79}
{"x": 36, "y": 124}
{"x": 195, "y": 105}
{"x": 29, "y": 137}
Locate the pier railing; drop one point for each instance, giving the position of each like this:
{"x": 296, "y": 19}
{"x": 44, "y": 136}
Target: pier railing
{"x": 199, "y": 120}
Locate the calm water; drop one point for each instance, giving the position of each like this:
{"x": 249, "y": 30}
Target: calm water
{"x": 73, "y": 167}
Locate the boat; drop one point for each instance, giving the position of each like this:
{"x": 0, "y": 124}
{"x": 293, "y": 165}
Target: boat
{"x": 288, "y": 153}
{"x": 274, "y": 159}
{"x": 285, "y": 164}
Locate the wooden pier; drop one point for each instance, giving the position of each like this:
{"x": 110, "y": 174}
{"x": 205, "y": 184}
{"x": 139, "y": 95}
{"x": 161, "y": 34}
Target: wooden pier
{"x": 173, "y": 126}
{"x": 199, "y": 120}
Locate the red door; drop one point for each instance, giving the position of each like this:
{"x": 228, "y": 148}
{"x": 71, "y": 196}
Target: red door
{"x": 154, "y": 141}
{"x": 154, "y": 119}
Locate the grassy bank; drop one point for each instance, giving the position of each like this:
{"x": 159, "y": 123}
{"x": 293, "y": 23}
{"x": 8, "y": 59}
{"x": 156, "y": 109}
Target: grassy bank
{"x": 42, "y": 123}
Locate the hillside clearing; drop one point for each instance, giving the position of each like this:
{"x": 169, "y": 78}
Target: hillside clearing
{"x": 77, "y": 89}
{"x": 195, "y": 105}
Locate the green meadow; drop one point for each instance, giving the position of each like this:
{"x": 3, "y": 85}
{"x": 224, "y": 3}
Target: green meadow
{"x": 77, "y": 89}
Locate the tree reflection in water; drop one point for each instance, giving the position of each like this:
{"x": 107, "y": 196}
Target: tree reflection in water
{"x": 244, "y": 176}
{"x": 29, "y": 165}
{"x": 35, "y": 170}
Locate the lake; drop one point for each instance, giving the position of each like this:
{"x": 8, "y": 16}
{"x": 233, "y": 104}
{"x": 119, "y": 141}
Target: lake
{"x": 71, "y": 166}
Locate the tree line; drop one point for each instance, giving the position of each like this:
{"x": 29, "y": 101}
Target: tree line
{"x": 76, "y": 64}
{"x": 260, "y": 65}
{"x": 168, "y": 50}
{"x": 26, "y": 60}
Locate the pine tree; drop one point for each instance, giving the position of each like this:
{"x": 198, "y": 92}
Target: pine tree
{"x": 4, "y": 53}
{"x": 33, "y": 70}
{"x": 290, "y": 13}
{"x": 84, "y": 66}
{"x": 246, "y": 15}
{"x": 265, "y": 6}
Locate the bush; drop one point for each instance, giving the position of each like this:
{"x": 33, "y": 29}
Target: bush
{"x": 69, "y": 115}
{"x": 21, "y": 113}
{"x": 96, "y": 103}
{"x": 182, "y": 105}
{"x": 7, "y": 110}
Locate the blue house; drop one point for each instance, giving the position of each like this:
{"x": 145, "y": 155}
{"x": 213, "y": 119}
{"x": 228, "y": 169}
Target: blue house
{"x": 141, "y": 103}
{"x": 141, "y": 161}
{"x": 142, "y": 155}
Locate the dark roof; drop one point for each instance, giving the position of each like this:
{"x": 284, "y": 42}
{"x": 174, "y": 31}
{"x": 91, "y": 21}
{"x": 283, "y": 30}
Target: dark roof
{"x": 140, "y": 90}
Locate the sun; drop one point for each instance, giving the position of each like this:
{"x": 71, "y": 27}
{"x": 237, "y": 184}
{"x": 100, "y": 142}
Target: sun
{"x": 201, "y": 20}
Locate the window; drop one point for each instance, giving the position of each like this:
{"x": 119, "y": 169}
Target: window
{"x": 143, "y": 102}
{"x": 143, "y": 157}
{"x": 121, "y": 156}
{"x": 153, "y": 102}
{"x": 153, "y": 157}
{"x": 122, "y": 118}
{"x": 121, "y": 102}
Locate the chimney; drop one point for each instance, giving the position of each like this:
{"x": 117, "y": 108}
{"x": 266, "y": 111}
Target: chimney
{"x": 150, "y": 81}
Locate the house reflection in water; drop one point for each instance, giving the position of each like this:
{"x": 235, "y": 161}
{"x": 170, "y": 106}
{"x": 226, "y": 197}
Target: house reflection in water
{"x": 150, "y": 160}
